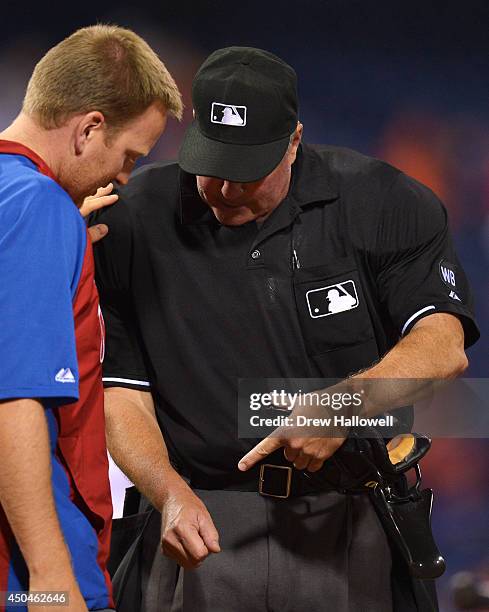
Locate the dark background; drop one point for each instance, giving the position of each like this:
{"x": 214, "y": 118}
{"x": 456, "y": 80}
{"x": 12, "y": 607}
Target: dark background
{"x": 403, "y": 81}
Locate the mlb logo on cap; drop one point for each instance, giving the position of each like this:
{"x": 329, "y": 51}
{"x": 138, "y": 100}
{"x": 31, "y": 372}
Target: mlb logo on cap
{"x": 228, "y": 114}
{"x": 231, "y": 82}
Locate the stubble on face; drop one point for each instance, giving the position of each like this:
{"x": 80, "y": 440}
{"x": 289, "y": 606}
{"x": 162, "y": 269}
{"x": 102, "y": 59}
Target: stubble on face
{"x": 84, "y": 178}
{"x": 114, "y": 155}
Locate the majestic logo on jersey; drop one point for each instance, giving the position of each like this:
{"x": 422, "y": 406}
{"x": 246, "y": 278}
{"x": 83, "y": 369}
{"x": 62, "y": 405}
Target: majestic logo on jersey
{"x": 228, "y": 114}
{"x": 332, "y": 299}
{"x": 65, "y": 375}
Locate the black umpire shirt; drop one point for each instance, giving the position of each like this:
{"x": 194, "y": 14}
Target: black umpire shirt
{"x": 353, "y": 257}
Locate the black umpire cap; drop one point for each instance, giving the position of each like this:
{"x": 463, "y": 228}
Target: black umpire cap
{"x": 245, "y": 105}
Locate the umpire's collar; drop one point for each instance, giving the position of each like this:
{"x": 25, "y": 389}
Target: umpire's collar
{"x": 312, "y": 181}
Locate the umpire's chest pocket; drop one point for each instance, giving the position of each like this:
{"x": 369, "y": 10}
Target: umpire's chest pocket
{"x": 331, "y": 307}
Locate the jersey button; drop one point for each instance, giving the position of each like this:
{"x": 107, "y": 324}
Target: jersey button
{"x": 256, "y": 254}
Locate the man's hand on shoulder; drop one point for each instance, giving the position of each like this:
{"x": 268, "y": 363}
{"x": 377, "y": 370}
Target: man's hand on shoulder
{"x": 103, "y": 197}
{"x": 188, "y": 534}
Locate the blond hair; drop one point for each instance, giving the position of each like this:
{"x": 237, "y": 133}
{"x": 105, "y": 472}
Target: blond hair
{"x": 104, "y": 68}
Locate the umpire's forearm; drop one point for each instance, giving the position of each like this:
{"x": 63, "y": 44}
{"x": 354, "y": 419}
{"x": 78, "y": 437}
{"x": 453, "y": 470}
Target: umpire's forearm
{"x": 432, "y": 353}
{"x": 136, "y": 444}
{"x": 26, "y": 490}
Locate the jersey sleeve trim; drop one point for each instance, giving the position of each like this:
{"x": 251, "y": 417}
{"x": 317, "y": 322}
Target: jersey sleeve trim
{"x": 415, "y": 316}
{"x": 127, "y": 381}
{"x": 471, "y": 329}
{"x": 39, "y": 392}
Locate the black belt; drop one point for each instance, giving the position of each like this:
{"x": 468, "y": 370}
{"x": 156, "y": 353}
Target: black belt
{"x": 359, "y": 464}
{"x": 273, "y": 477}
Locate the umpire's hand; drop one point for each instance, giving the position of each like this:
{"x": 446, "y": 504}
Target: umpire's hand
{"x": 305, "y": 453}
{"x": 188, "y": 534}
{"x": 307, "y": 448}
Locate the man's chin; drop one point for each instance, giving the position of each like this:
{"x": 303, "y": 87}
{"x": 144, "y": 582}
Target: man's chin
{"x": 78, "y": 198}
{"x": 78, "y": 194}
{"x": 228, "y": 216}
{"x": 233, "y": 220}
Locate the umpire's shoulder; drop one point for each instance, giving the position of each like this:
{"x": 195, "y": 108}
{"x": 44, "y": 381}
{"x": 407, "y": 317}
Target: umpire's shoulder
{"x": 375, "y": 195}
{"x": 158, "y": 180}
{"x": 150, "y": 186}
{"x": 355, "y": 171}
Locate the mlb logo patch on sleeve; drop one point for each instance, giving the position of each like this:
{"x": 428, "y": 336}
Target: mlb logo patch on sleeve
{"x": 332, "y": 299}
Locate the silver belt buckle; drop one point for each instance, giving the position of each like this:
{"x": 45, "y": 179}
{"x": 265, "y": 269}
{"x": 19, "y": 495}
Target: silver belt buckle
{"x": 270, "y": 466}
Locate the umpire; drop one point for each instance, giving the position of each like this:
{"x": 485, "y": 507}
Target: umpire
{"x": 208, "y": 275}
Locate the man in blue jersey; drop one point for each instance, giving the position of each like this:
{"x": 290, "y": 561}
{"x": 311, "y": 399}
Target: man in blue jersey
{"x": 94, "y": 104}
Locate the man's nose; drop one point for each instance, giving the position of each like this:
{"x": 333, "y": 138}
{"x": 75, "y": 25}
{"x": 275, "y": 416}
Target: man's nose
{"x": 230, "y": 190}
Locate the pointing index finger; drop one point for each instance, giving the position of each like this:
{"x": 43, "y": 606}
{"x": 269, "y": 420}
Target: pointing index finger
{"x": 262, "y": 449}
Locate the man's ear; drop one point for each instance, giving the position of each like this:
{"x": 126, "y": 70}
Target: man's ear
{"x": 87, "y": 127}
{"x": 296, "y": 140}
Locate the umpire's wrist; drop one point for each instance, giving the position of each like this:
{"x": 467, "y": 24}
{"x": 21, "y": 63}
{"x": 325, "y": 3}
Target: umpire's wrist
{"x": 171, "y": 481}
